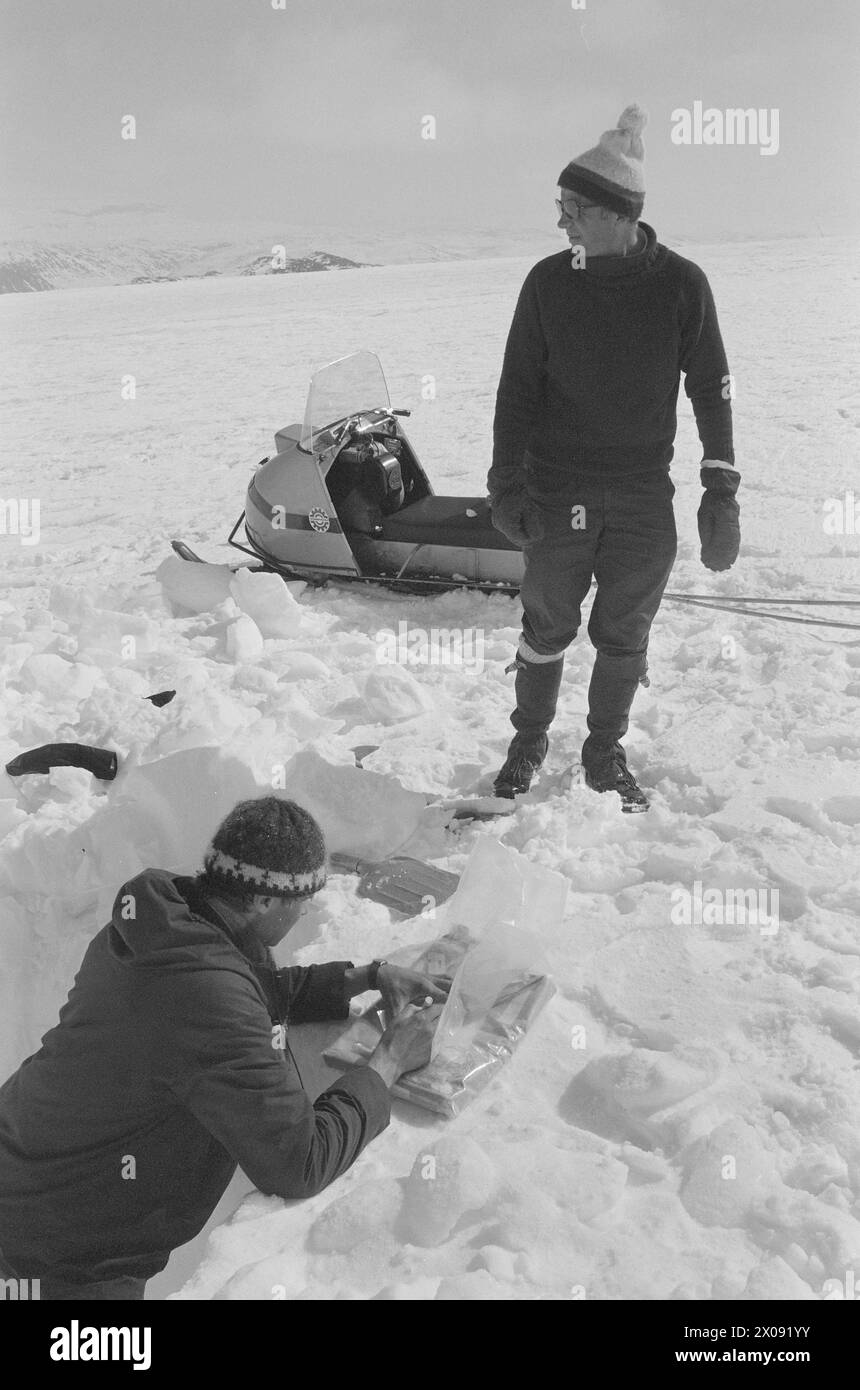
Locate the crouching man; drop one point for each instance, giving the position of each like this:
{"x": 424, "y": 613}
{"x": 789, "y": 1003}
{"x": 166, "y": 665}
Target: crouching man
{"x": 170, "y": 1065}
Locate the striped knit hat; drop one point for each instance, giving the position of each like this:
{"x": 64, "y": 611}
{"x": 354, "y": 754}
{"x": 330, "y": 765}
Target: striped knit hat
{"x": 612, "y": 174}
{"x": 267, "y": 846}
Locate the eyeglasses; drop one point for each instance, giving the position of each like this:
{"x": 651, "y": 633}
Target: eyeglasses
{"x": 580, "y": 207}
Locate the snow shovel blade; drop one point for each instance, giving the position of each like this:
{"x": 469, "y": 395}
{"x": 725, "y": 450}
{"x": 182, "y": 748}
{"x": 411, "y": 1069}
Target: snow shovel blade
{"x": 403, "y": 884}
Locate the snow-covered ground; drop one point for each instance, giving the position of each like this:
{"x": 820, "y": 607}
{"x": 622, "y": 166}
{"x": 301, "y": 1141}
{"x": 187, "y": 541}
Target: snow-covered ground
{"x": 684, "y": 1119}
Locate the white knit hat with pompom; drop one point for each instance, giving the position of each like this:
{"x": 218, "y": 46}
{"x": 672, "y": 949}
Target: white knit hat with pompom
{"x": 612, "y": 172}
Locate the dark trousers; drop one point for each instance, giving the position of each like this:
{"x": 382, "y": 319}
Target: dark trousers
{"x": 50, "y": 1288}
{"x": 624, "y": 537}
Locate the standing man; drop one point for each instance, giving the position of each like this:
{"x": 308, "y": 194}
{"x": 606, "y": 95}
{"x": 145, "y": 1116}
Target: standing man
{"x": 583, "y": 438}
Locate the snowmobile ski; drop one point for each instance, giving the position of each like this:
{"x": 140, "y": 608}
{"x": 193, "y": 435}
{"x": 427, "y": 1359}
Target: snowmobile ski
{"x": 185, "y": 552}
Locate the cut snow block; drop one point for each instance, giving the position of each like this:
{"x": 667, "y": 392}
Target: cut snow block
{"x": 364, "y": 813}
{"x": 111, "y": 637}
{"x": 194, "y": 588}
{"x": 773, "y": 1279}
{"x": 54, "y": 678}
{"x": 451, "y": 1176}
{"x": 500, "y": 885}
{"x": 365, "y": 1212}
{"x": 727, "y": 1174}
{"x": 42, "y": 854}
{"x": 304, "y": 666}
{"x": 392, "y": 694}
{"x": 10, "y": 815}
{"x": 266, "y": 598}
{"x": 294, "y": 712}
{"x": 477, "y": 1285}
{"x": 258, "y": 1279}
{"x": 244, "y": 641}
{"x": 70, "y": 605}
{"x": 416, "y": 1289}
{"x": 164, "y": 813}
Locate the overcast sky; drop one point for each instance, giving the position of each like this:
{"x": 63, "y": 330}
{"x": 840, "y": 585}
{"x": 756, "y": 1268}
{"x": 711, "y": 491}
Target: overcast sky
{"x": 313, "y": 113}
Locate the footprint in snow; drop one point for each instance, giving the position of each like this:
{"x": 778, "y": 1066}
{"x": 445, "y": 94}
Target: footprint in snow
{"x": 845, "y": 809}
{"x": 625, "y": 1096}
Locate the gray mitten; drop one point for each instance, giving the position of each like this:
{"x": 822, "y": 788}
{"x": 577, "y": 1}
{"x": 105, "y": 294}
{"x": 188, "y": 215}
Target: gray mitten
{"x": 516, "y": 516}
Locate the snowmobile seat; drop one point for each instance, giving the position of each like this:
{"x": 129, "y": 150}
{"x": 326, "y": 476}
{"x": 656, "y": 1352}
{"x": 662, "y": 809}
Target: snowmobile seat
{"x": 457, "y": 521}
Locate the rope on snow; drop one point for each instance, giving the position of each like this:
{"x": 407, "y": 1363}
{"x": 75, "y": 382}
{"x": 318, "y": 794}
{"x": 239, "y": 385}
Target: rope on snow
{"x": 733, "y": 606}
{"x": 734, "y": 598}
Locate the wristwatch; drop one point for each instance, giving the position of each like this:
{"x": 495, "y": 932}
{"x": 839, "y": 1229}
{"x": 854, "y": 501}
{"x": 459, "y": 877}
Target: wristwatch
{"x": 373, "y": 973}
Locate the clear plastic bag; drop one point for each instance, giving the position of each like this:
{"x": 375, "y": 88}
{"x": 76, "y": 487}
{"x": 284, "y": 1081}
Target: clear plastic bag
{"x": 495, "y": 996}
{"x": 490, "y": 969}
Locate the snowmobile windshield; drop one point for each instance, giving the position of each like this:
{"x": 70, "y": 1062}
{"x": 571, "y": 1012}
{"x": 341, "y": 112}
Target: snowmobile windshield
{"x": 352, "y": 385}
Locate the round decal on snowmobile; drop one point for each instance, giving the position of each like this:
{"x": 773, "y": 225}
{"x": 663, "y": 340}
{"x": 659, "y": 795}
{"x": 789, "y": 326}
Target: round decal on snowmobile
{"x": 319, "y": 519}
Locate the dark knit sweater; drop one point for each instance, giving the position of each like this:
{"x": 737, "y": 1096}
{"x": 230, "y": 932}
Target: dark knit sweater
{"x": 592, "y": 369}
{"x": 166, "y": 1053}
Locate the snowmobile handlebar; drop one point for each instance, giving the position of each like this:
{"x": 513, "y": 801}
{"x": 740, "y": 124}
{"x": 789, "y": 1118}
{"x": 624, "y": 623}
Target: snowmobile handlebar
{"x": 351, "y": 427}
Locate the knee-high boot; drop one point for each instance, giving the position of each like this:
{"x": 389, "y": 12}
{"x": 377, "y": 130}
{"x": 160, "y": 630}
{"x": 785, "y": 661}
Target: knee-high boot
{"x": 537, "y": 686}
{"x": 613, "y": 685}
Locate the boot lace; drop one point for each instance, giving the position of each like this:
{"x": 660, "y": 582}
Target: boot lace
{"x": 624, "y": 777}
{"x": 521, "y": 765}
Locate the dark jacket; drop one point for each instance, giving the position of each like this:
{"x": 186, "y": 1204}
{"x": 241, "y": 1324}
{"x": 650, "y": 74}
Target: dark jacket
{"x": 592, "y": 369}
{"x": 119, "y": 1136}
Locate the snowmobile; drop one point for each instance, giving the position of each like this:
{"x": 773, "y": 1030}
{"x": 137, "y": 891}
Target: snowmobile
{"x": 345, "y": 497}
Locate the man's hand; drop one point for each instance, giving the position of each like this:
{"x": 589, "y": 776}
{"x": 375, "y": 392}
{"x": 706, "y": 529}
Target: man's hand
{"x": 405, "y": 1044}
{"x": 401, "y": 987}
{"x": 718, "y": 516}
{"x": 516, "y": 516}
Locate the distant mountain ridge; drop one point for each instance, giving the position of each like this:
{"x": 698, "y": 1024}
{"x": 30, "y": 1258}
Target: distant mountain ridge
{"x": 49, "y": 248}
{"x": 45, "y": 247}
{"x": 50, "y": 268}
